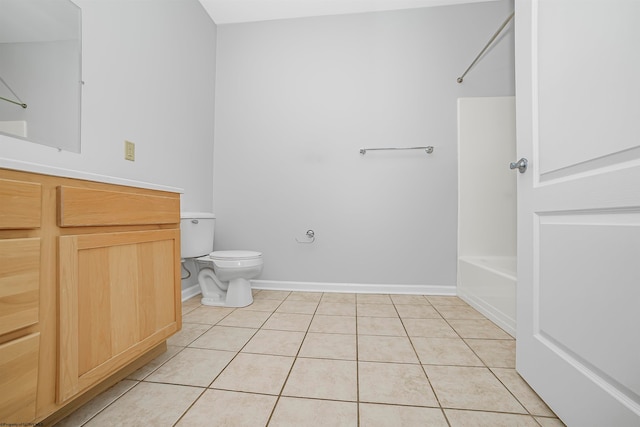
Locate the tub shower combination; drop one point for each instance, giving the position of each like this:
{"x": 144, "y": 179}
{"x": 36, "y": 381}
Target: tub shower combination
{"x": 487, "y": 264}
{"x": 489, "y": 284}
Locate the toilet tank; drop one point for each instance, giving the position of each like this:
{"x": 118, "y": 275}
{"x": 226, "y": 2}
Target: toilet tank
{"x": 196, "y": 234}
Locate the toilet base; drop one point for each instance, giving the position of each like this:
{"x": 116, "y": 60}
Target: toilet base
{"x": 214, "y": 302}
{"x": 238, "y": 295}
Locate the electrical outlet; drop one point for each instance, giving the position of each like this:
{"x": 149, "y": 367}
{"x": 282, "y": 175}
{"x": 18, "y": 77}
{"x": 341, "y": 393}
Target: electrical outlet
{"x": 129, "y": 151}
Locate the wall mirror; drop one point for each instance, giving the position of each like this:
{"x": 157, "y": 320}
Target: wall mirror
{"x": 40, "y": 68}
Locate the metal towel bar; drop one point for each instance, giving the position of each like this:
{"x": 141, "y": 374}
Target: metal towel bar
{"x": 428, "y": 149}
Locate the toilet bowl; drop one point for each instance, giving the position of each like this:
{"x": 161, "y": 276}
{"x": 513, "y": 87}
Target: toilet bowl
{"x": 224, "y": 277}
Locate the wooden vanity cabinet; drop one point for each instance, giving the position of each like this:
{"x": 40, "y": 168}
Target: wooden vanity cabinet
{"x": 92, "y": 286}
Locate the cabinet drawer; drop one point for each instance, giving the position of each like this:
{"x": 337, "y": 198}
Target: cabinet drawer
{"x": 19, "y": 283}
{"x": 19, "y": 379}
{"x": 80, "y": 207}
{"x": 19, "y": 204}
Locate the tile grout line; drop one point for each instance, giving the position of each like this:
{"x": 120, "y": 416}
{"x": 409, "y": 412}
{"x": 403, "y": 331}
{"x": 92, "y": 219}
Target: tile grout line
{"x": 357, "y": 364}
{"x": 512, "y": 394}
{"x": 298, "y": 356}
{"x": 422, "y": 366}
{"x": 487, "y": 367}
{"x": 208, "y": 387}
{"x": 103, "y": 409}
{"x": 295, "y": 358}
{"x": 143, "y": 379}
{"x": 244, "y": 345}
{"x": 485, "y": 363}
{"x": 204, "y": 390}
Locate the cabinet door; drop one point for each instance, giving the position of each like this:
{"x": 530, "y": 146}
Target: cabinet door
{"x": 18, "y": 380}
{"x": 119, "y": 297}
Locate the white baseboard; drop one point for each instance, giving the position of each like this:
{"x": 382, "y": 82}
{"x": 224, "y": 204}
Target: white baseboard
{"x": 190, "y": 292}
{"x": 354, "y": 287}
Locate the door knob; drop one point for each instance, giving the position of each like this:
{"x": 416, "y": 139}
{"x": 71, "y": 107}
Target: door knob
{"x": 521, "y": 165}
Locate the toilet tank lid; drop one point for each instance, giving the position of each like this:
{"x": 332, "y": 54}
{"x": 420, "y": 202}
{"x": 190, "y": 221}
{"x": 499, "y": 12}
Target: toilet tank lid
{"x": 194, "y": 215}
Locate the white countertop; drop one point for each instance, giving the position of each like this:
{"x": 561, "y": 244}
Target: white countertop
{"x": 69, "y": 173}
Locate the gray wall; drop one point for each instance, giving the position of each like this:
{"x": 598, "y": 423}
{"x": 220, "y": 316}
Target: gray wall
{"x": 295, "y": 101}
{"x": 149, "y": 73}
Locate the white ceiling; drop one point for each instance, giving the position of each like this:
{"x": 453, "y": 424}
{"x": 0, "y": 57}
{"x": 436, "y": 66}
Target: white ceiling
{"x": 234, "y": 11}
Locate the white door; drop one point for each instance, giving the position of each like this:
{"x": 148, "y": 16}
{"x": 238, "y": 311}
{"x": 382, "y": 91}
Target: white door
{"x": 578, "y": 124}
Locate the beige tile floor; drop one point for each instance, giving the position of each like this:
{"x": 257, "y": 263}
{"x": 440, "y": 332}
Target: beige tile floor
{"x": 314, "y": 359}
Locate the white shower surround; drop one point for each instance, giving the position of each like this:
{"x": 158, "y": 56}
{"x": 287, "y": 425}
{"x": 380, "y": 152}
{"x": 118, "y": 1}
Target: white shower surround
{"x": 489, "y": 283}
{"x": 487, "y": 275}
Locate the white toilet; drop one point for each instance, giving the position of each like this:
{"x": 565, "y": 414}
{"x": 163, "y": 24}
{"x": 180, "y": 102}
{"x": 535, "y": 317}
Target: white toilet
{"x": 223, "y": 275}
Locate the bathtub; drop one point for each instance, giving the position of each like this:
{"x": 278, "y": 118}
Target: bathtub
{"x": 488, "y": 283}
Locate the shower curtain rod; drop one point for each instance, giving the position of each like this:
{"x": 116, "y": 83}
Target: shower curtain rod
{"x": 504, "y": 24}
{"x": 22, "y": 104}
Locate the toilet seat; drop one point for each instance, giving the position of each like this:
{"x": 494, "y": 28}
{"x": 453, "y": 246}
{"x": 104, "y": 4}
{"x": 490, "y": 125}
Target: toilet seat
{"x": 234, "y": 259}
{"x": 234, "y": 255}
